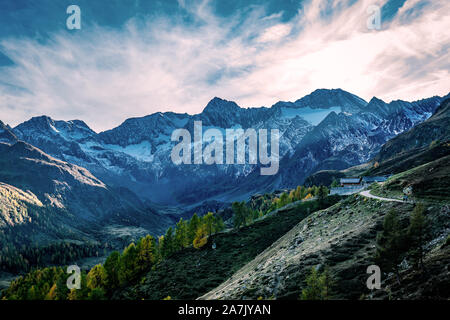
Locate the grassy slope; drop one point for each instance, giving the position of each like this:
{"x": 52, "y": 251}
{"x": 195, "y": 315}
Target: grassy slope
{"x": 429, "y": 181}
{"x": 191, "y": 273}
{"x": 257, "y": 262}
{"x": 13, "y": 205}
{"x": 411, "y": 159}
{"x": 342, "y": 237}
{"x": 433, "y": 283}
{"x": 24, "y": 220}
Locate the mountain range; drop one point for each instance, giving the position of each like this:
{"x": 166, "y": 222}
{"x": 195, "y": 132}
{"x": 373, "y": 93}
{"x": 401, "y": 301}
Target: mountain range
{"x": 42, "y": 188}
{"x": 422, "y": 144}
{"x": 327, "y": 129}
{"x": 67, "y": 192}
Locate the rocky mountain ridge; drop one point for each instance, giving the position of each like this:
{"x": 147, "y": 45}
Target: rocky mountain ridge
{"x": 330, "y": 129}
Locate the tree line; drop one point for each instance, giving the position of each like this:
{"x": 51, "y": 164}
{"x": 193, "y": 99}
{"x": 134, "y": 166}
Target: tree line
{"x": 25, "y": 258}
{"x": 245, "y": 214}
{"x": 120, "y": 268}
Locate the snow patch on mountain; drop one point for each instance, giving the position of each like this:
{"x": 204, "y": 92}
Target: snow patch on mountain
{"x": 327, "y": 127}
{"x": 313, "y": 116}
{"x": 141, "y": 151}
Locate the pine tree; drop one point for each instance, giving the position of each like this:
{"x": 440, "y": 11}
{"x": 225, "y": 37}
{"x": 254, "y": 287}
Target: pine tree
{"x": 181, "y": 234}
{"x": 33, "y": 293}
{"x": 284, "y": 200}
{"x": 322, "y": 193}
{"x": 314, "y": 190}
{"x": 111, "y": 266}
{"x": 169, "y": 243}
{"x": 390, "y": 244}
{"x": 194, "y": 224}
{"x": 327, "y": 283}
{"x": 303, "y": 193}
{"x": 97, "y": 277}
{"x": 298, "y": 193}
{"x": 61, "y": 286}
{"x": 292, "y": 196}
{"x": 335, "y": 183}
{"x": 239, "y": 214}
{"x": 128, "y": 264}
{"x": 312, "y": 290}
{"x": 146, "y": 253}
{"x": 218, "y": 224}
{"x": 318, "y": 286}
{"x": 208, "y": 222}
{"x": 417, "y": 233}
{"x": 160, "y": 248}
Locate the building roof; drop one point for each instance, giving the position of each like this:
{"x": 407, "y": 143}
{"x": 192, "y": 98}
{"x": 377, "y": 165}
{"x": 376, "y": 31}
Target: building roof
{"x": 375, "y": 179}
{"x": 350, "y": 180}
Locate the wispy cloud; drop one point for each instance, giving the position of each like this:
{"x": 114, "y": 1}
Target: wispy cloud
{"x": 165, "y": 64}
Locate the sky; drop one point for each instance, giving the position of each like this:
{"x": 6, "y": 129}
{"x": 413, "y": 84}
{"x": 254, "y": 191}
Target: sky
{"x": 132, "y": 58}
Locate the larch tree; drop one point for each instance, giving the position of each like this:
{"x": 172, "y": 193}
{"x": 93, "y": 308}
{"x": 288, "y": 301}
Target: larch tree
{"x": 201, "y": 237}
{"x": 146, "y": 252}
{"x": 181, "y": 234}
{"x": 111, "y": 266}
{"x": 97, "y": 277}
{"x": 194, "y": 224}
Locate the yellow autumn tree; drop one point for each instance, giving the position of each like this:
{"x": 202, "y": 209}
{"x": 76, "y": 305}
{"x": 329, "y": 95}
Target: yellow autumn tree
{"x": 201, "y": 237}
{"x": 292, "y": 196}
{"x": 309, "y": 196}
{"x": 51, "y": 295}
{"x": 96, "y": 278}
{"x": 298, "y": 193}
{"x": 72, "y": 295}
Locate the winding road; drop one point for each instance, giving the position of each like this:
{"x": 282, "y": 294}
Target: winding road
{"x": 368, "y": 195}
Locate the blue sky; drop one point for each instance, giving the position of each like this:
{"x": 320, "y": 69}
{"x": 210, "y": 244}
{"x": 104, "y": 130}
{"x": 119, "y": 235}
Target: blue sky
{"x": 136, "y": 57}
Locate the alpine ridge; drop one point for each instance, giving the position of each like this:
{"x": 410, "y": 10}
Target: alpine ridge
{"x": 330, "y": 129}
